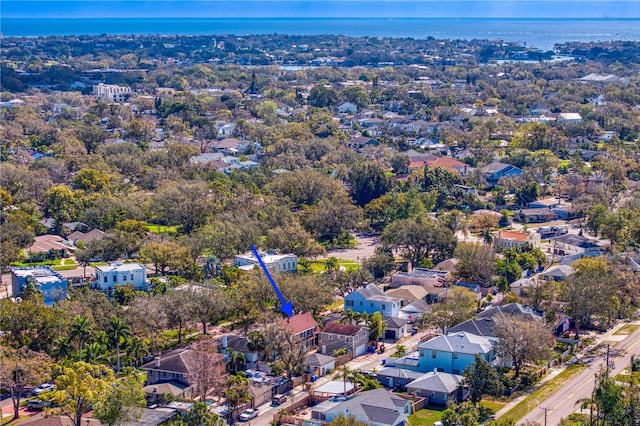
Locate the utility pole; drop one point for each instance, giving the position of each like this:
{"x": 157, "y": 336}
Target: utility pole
{"x": 607, "y": 358}
{"x": 545, "y": 414}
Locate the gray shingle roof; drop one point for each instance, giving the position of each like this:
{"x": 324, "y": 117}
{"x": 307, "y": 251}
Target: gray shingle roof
{"x": 436, "y": 382}
{"x": 377, "y": 405}
{"x": 463, "y": 342}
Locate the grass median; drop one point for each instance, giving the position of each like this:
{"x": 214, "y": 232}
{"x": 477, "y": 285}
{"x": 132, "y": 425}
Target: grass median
{"x": 540, "y": 394}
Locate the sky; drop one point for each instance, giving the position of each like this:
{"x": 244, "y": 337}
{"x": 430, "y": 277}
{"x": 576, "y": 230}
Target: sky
{"x": 319, "y": 9}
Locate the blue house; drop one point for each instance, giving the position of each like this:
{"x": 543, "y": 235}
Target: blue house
{"x": 371, "y": 299}
{"x": 496, "y": 171}
{"x": 453, "y": 353}
{"x": 51, "y": 284}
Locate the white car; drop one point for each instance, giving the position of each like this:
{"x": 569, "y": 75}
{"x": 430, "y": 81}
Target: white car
{"x": 248, "y": 415}
{"x": 45, "y": 387}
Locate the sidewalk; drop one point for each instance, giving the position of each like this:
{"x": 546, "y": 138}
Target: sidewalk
{"x": 608, "y": 336}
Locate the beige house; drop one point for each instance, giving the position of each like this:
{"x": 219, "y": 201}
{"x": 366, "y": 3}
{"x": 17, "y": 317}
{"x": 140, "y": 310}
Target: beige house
{"x": 509, "y": 239}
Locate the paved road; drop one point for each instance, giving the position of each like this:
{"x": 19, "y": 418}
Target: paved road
{"x": 366, "y": 362}
{"x": 563, "y": 403}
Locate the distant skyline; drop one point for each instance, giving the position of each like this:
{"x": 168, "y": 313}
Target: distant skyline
{"x": 626, "y": 9}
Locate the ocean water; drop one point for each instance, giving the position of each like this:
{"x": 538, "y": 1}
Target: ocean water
{"x": 539, "y": 33}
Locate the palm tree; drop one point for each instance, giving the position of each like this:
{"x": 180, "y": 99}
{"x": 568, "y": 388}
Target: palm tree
{"x": 136, "y": 350}
{"x": 95, "y": 353}
{"x": 346, "y": 374}
{"x": 80, "y": 330}
{"x": 118, "y": 331}
{"x": 236, "y": 359}
{"x": 256, "y": 342}
{"x": 349, "y": 315}
{"x": 63, "y": 346}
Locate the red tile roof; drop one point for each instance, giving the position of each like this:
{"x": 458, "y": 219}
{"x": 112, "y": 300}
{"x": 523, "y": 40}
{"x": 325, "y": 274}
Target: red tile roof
{"x": 510, "y": 235}
{"x": 301, "y": 322}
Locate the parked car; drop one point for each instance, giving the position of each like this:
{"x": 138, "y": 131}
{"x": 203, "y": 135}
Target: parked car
{"x": 278, "y": 399}
{"x": 37, "y": 404}
{"x": 248, "y": 415}
{"x": 45, "y": 387}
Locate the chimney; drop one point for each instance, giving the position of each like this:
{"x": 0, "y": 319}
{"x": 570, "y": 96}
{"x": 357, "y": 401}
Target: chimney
{"x": 224, "y": 342}
{"x": 157, "y": 361}
{"x": 409, "y": 267}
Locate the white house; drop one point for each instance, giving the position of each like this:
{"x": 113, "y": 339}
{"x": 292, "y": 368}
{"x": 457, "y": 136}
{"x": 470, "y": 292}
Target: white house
{"x": 348, "y": 107}
{"x": 108, "y": 277}
{"x": 111, "y": 92}
{"x": 275, "y": 262}
{"x": 569, "y": 117}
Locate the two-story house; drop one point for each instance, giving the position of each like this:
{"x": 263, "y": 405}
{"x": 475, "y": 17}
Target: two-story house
{"x": 509, "y": 239}
{"x": 181, "y": 371}
{"x": 305, "y": 327}
{"x": 275, "y": 262}
{"x": 453, "y": 353}
{"x": 371, "y": 299}
{"x": 335, "y": 336}
{"x": 51, "y": 284}
{"x": 572, "y": 244}
{"x": 110, "y": 276}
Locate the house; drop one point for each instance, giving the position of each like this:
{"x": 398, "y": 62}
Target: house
{"x": 559, "y": 272}
{"x": 376, "y": 407}
{"x": 85, "y": 238}
{"x": 509, "y": 239}
{"x": 335, "y": 336}
{"x": 496, "y": 171}
{"x": 439, "y": 388}
{"x": 347, "y": 107}
{"x": 485, "y": 322}
{"x": 51, "y": 284}
{"x": 572, "y": 244}
{"x": 448, "y": 163}
{"x": 408, "y": 293}
{"x": 448, "y": 265}
{"x": 548, "y": 203}
{"x": 111, "y": 92}
{"x": 178, "y": 370}
{"x": 454, "y": 352}
{"x": 395, "y": 328}
{"x": 236, "y": 343}
{"x": 228, "y": 146}
{"x": 305, "y": 327}
{"x": 49, "y": 246}
{"x": 535, "y": 215}
{"x": 319, "y": 365}
{"x": 361, "y": 142}
{"x": 275, "y": 262}
{"x": 371, "y": 299}
{"x": 419, "y": 276}
{"x": 110, "y": 276}
{"x": 520, "y": 286}
{"x": 396, "y": 378}
{"x": 569, "y": 117}
{"x": 413, "y": 311}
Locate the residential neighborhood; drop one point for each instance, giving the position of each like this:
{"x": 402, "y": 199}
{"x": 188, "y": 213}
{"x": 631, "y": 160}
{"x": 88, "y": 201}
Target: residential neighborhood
{"x": 297, "y": 230}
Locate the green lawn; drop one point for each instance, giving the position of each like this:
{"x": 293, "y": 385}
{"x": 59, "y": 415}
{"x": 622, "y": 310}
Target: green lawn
{"x": 56, "y": 264}
{"x": 425, "y": 417}
{"x": 318, "y": 266}
{"x": 626, "y": 329}
{"x": 493, "y": 405}
{"x": 543, "y": 392}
